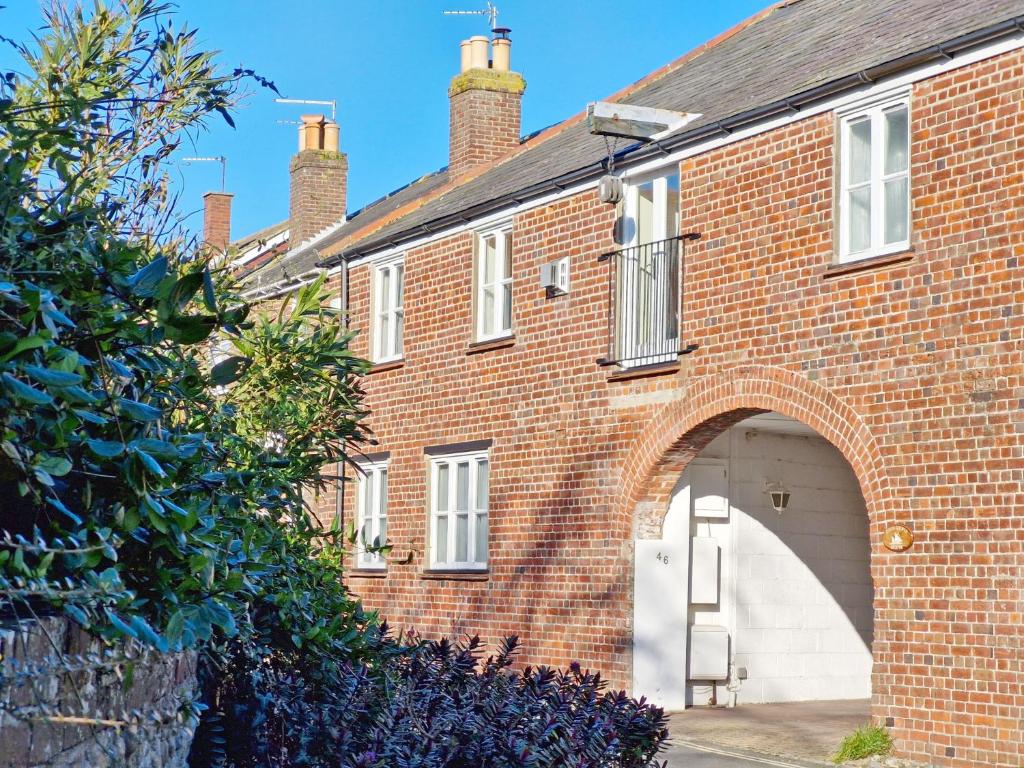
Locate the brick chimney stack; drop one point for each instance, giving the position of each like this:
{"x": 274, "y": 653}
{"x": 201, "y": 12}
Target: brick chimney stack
{"x": 486, "y": 103}
{"x": 217, "y": 221}
{"x": 319, "y": 180}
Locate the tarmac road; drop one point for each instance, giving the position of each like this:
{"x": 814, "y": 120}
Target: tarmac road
{"x": 687, "y": 756}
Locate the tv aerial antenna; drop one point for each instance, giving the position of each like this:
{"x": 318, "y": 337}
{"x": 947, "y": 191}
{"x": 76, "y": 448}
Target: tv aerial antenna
{"x": 211, "y": 159}
{"x": 319, "y": 102}
{"x": 491, "y": 11}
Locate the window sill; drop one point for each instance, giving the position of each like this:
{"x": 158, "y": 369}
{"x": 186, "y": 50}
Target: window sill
{"x": 390, "y": 365}
{"x": 864, "y": 265}
{"x": 455, "y": 575}
{"x": 368, "y": 573}
{"x": 643, "y": 371}
{"x": 477, "y": 347}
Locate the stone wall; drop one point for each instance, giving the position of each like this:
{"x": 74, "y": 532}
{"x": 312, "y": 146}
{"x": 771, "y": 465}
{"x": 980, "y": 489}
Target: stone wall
{"x": 65, "y": 700}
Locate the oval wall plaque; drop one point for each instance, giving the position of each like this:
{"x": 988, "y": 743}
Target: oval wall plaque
{"x": 897, "y": 538}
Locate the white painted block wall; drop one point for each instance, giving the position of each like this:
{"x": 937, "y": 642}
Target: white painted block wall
{"x": 796, "y": 591}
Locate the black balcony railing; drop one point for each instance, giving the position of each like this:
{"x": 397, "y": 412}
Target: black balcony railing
{"x": 645, "y": 290}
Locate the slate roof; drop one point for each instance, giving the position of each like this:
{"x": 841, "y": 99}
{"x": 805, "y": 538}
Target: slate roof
{"x": 787, "y": 50}
{"x": 302, "y": 262}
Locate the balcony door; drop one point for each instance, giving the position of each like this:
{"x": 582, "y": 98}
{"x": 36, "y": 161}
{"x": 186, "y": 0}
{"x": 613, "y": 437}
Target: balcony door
{"x": 648, "y": 273}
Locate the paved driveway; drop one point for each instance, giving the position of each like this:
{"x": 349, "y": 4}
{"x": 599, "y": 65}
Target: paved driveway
{"x": 800, "y": 734}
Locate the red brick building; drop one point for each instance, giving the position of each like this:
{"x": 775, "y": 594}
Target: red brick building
{"x": 755, "y": 430}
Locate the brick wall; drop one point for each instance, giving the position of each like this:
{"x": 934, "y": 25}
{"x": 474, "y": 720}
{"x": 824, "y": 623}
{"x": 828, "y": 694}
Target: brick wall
{"x": 911, "y": 368}
{"x": 318, "y": 193}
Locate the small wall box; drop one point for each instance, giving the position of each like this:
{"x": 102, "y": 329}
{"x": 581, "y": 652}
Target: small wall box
{"x": 554, "y": 276}
{"x": 709, "y": 652}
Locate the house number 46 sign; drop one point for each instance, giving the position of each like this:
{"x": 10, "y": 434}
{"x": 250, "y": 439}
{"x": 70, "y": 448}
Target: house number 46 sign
{"x": 662, "y": 558}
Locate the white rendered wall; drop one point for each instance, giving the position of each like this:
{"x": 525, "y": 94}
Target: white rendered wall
{"x": 796, "y": 588}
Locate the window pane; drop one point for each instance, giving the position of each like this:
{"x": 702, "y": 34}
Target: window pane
{"x": 507, "y": 266}
{"x": 645, "y": 213}
{"x": 482, "y": 488}
{"x": 480, "y": 539}
{"x": 672, "y": 207}
{"x": 441, "y": 539}
{"x": 506, "y": 307}
{"x": 461, "y": 538}
{"x": 399, "y": 332}
{"x": 462, "y": 483}
{"x": 383, "y": 534}
{"x": 368, "y": 503}
{"x": 385, "y": 288}
{"x": 442, "y": 487}
{"x": 400, "y": 286}
{"x": 383, "y": 492}
{"x": 896, "y": 141}
{"x": 488, "y": 310}
{"x": 860, "y": 151}
{"x": 860, "y": 219}
{"x": 897, "y": 204}
{"x": 489, "y": 260}
{"x": 385, "y": 335}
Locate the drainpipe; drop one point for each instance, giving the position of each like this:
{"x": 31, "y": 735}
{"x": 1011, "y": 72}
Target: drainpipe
{"x": 339, "y": 493}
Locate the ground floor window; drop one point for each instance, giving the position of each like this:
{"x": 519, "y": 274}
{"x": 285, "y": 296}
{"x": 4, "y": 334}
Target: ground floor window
{"x": 458, "y": 511}
{"x": 372, "y": 504}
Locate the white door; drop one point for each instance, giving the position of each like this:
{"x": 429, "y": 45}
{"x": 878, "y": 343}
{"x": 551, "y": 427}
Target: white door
{"x": 660, "y": 591}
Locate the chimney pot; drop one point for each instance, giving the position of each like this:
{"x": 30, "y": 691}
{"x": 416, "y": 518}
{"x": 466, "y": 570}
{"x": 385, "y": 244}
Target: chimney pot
{"x": 478, "y": 52}
{"x": 311, "y": 132}
{"x": 502, "y": 54}
{"x": 332, "y": 137}
{"x": 464, "y": 51}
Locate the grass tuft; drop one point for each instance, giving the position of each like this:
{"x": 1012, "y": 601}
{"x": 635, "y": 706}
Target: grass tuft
{"x": 864, "y": 742}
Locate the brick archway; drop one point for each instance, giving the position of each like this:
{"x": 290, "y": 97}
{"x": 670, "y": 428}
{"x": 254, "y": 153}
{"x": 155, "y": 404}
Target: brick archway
{"x": 712, "y": 404}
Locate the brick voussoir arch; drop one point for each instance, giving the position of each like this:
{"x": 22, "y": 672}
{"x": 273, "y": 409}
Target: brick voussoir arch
{"x": 711, "y": 404}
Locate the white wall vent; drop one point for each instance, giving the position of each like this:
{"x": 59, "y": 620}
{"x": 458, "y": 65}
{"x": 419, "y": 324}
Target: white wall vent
{"x": 554, "y": 276}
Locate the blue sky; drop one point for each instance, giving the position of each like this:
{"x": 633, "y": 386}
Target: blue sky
{"x": 388, "y": 64}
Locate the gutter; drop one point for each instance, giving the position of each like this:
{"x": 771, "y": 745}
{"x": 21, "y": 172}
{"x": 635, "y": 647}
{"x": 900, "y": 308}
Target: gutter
{"x": 639, "y": 152}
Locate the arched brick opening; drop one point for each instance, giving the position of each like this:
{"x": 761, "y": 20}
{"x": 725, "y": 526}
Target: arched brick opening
{"x": 714, "y": 403}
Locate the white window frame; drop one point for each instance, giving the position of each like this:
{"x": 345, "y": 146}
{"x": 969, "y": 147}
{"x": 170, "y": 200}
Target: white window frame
{"x": 478, "y": 461}
{"x": 390, "y": 308}
{"x": 372, "y": 511}
{"x": 874, "y": 111}
{"x": 502, "y": 239}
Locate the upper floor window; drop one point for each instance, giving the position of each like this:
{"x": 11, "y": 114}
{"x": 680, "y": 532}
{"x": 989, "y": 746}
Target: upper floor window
{"x": 458, "y": 511}
{"x": 372, "y": 509}
{"x": 389, "y": 315}
{"x": 494, "y": 284}
{"x": 874, "y": 180}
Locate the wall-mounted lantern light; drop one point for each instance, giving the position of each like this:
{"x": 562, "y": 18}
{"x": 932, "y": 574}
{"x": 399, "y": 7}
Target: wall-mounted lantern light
{"x": 779, "y": 496}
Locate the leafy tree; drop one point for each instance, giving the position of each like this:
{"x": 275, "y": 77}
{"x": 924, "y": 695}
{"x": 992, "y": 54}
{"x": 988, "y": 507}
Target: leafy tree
{"x": 142, "y": 496}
